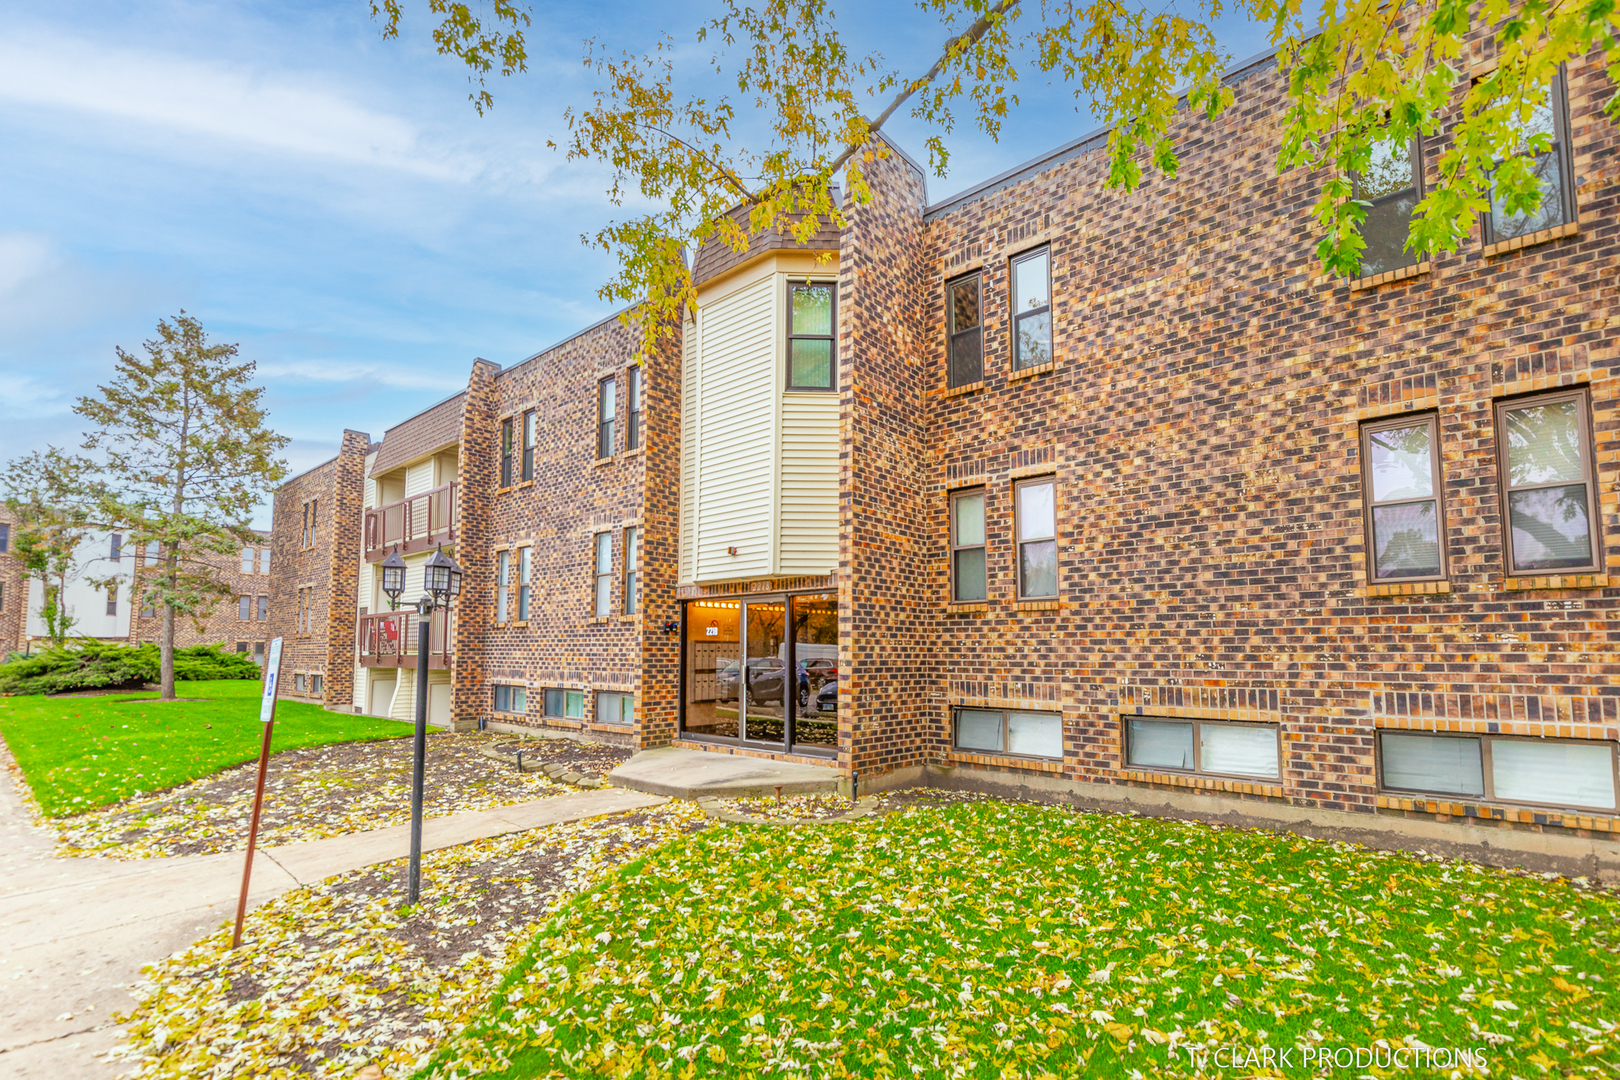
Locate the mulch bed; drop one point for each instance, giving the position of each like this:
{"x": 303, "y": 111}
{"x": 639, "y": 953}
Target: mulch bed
{"x": 323, "y": 791}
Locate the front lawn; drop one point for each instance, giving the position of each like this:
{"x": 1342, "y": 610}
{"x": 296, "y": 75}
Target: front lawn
{"x": 988, "y": 939}
{"x": 82, "y": 752}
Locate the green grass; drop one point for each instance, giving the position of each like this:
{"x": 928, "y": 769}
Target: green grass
{"x": 1004, "y": 940}
{"x": 81, "y": 753}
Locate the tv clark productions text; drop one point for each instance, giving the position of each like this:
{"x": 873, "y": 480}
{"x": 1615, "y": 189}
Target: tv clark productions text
{"x": 1318, "y": 1058}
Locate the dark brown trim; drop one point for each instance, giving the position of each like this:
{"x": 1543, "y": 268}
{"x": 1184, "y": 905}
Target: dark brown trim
{"x": 831, "y": 339}
{"x": 1594, "y": 510}
{"x": 1558, "y": 90}
{"x": 1018, "y": 539}
{"x": 1436, "y": 485}
{"x": 984, "y": 545}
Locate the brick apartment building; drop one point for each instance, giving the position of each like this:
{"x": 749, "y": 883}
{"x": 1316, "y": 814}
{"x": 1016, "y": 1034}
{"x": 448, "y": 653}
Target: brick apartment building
{"x": 1045, "y": 485}
{"x": 239, "y": 622}
{"x": 13, "y": 589}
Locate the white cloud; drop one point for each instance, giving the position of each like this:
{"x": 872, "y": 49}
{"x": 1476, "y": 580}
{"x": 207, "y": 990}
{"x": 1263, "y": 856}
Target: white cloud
{"x": 278, "y": 112}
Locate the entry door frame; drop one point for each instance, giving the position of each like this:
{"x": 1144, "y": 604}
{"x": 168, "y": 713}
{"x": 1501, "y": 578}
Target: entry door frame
{"x": 790, "y": 679}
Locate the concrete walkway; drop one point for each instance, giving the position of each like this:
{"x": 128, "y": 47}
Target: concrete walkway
{"x": 694, "y": 774}
{"x": 74, "y": 933}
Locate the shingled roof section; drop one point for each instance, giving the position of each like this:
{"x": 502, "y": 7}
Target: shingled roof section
{"x": 716, "y": 257}
{"x": 420, "y": 435}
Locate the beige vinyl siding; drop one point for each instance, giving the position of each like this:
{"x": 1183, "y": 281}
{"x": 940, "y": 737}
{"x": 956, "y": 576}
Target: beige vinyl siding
{"x": 689, "y": 456}
{"x": 808, "y": 536}
{"x": 419, "y": 477}
{"x": 737, "y": 416}
{"x": 404, "y": 707}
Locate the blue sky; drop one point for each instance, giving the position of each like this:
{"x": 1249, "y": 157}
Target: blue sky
{"x": 328, "y": 199}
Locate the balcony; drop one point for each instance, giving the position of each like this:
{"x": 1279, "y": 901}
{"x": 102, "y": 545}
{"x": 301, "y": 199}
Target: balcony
{"x": 388, "y": 640}
{"x": 418, "y": 523}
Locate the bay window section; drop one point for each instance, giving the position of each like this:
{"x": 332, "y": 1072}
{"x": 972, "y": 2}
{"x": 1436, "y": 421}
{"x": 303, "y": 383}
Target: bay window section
{"x": 968, "y": 546}
{"x": 965, "y": 362}
{"x": 530, "y": 433}
{"x": 506, "y": 452}
{"x": 1032, "y": 309}
{"x": 606, "y": 412}
{"x": 604, "y": 575}
{"x": 1212, "y": 747}
{"x": 1402, "y": 475}
{"x": 503, "y": 570}
{"x": 1392, "y": 187}
{"x": 1035, "y": 514}
{"x": 810, "y": 337}
{"x": 1544, "y": 159}
{"x": 1545, "y": 448}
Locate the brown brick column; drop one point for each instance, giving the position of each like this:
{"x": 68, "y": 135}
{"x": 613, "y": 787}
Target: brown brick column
{"x": 346, "y": 518}
{"x": 473, "y": 611}
{"x": 660, "y": 547}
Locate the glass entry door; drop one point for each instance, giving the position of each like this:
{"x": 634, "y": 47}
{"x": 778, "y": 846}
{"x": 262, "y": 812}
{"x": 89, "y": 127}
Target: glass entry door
{"x": 763, "y": 671}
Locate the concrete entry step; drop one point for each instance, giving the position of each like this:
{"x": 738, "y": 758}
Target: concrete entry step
{"x": 693, "y": 774}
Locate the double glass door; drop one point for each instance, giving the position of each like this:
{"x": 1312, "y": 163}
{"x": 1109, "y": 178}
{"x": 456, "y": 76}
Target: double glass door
{"x": 763, "y": 671}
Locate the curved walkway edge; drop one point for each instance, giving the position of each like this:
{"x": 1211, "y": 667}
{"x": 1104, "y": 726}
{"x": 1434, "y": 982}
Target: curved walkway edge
{"x": 75, "y": 933}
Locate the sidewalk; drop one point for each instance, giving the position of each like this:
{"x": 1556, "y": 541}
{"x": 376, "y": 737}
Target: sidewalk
{"x": 74, "y": 933}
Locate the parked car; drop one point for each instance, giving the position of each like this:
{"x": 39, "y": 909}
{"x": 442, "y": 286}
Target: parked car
{"x": 759, "y": 668}
{"x": 826, "y": 699}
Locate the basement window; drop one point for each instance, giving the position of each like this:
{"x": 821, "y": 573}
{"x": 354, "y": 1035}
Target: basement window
{"x": 511, "y": 699}
{"x": 614, "y": 708}
{"x": 1213, "y": 747}
{"x": 1548, "y": 772}
{"x": 567, "y": 704}
{"x": 1010, "y": 731}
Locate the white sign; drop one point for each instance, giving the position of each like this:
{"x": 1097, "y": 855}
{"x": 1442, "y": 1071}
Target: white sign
{"x": 272, "y": 671}
{"x": 711, "y": 631}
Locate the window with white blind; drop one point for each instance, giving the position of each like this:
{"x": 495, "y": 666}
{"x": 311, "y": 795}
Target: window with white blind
{"x": 615, "y": 708}
{"x": 1552, "y": 772}
{"x": 1216, "y": 747}
{"x": 1010, "y": 731}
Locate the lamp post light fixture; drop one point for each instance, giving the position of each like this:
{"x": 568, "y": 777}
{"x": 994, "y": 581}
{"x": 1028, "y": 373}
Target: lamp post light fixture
{"x": 393, "y": 569}
{"x": 441, "y": 581}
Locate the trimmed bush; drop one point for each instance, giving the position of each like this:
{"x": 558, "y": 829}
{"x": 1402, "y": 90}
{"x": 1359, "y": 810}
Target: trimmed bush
{"x": 100, "y": 665}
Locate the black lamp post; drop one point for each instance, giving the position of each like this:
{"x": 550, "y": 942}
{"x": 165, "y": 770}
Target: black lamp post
{"x": 393, "y": 569}
{"x": 441, "y": 580}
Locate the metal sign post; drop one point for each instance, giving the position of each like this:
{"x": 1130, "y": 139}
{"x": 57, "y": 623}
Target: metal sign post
{"x": 267, "y": 716}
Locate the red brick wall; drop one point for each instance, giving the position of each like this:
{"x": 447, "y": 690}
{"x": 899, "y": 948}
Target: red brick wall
{"x": 343, "y": 574}
{"x": 1202, "y": 423}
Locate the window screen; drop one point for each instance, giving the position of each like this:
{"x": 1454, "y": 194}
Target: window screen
{"x": 1403, "y": 481}
{"x": 1547, "y": 472}
{"x": 1392, "y": 186}
{"x": 966, "y": 336}
{"x": 1549, "y": 168}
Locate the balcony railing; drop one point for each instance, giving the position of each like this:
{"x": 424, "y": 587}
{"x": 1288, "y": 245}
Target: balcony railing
{"x": 414, "y": 524}
{"x": 389, "y": 639}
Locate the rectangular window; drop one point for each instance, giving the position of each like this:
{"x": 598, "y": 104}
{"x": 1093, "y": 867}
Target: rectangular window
{"x": 632, "y": 404}
{"x": 967, "y": 546}
{"x": 298, "y": 683}
{"x": 247, "y": 560}
{"x": 1549, "y": 167}
{"x": 244, "y": 609}
{"x": 1392, "y": 187}
{"x": 112, "y": 599}
{"x": 1035, "y": 511}
{"x": 317, "y": 684}
{"x": 615, "y": 708}
{"x": 1032, "y": 309}
{"x": 1203, "y": 746}
{"x": 810, "y": 346}
{"x": 1401, "y": 470}
{"x": 529, "y": 433}
{"x": 1556, "y": 772}
{"x": 153, "y": 552}
{"x": 506, "y": 452}
{"x": 146, "y": 608}
{"x": 258, "y": 653}
{"x": 117, "y": 547}
{"x": 314, "y": 516}
{"x": 242, "y": 647}
{"x": 1010, "y": 731}
{"x": 511, "y": 699}
{"x": 568, "y": 704}
{"x": 264, "y": 560}
{"x": 264, "y": 608}
{"x": 604, "y": 575}
{"x": 965, "y": 346}
{"x": 503, "y": 570}
{"x": 1545, "y": 449}
{"x": 523, "y": 583}
{"x": 5, "y": 538}
{"x": 606, "y": 410}
{"x": 632, "y": 569}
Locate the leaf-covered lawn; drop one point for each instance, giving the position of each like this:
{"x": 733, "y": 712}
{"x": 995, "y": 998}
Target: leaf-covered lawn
{"x": 82, "y": 752}
{"x": 987, "y": 939}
